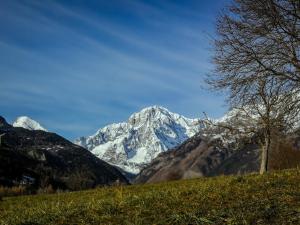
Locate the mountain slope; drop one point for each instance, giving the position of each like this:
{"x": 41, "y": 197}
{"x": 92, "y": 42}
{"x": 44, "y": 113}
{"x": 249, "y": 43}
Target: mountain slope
{"x": 133, "y": 144}
{"x": 215, "y": 150}
{"x": 28, "y": 123}
{"x": 198, "y": 157}
{"x": 43, "y": 158}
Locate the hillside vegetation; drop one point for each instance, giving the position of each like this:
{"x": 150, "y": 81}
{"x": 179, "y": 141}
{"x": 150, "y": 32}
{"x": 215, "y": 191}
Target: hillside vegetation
{"x": 272, "y": 198}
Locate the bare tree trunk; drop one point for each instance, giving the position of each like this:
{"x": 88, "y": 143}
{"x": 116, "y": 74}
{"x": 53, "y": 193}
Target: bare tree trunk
{"x": 265, "y": 155}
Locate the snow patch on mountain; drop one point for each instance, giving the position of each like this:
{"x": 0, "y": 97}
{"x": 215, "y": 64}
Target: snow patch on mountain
{"x": 133, "y": 144}
{"x": 28, "y": 123}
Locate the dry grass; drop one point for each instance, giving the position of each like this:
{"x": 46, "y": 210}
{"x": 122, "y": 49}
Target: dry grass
{"x": 13, "y": 191}
{"x": 273, "y": 198}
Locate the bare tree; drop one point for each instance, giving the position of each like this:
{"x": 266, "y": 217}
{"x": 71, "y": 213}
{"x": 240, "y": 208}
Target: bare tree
{"x": 258, "y": 37}
{"x": 257, "y": 56}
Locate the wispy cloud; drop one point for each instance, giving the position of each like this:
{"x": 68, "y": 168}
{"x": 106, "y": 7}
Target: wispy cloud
{"x": 97, "y": 64}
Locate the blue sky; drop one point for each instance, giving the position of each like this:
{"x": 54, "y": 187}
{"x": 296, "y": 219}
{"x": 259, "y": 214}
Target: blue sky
{"x": 75, "y": 66}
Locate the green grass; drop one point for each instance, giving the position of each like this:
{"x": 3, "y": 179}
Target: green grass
{"x": 273, "y": 198}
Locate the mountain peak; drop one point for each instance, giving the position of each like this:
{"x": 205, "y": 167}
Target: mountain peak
{"x": 155, "y": 114}
{"x": 155, "y": 108}
{"x": 28, "y": 123}
{"x": 132, "y": 144}
{"x": 3, "y": 123}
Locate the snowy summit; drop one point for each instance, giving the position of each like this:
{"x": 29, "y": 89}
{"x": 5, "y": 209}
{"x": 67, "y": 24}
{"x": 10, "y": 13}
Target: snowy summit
{"x": 133, "y": 144}
{"x": 28, "y": 123}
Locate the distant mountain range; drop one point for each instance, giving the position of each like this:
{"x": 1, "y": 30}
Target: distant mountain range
{"x": 152, "y": 145}
{"x": 133, "y": 144}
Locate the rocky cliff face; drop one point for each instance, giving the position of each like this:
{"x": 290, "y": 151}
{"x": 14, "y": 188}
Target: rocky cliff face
{"x": 133, "y": 144}
{"x": 44, "y": 158}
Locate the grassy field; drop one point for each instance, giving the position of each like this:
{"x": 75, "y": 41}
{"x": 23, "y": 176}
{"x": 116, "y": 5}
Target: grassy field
{"x": 273, "y": 198}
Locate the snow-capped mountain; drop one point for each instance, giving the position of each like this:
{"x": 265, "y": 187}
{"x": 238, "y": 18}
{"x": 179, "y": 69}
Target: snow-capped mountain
{"x": 28, "y": 123}
{"x": 133, "y": 144}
